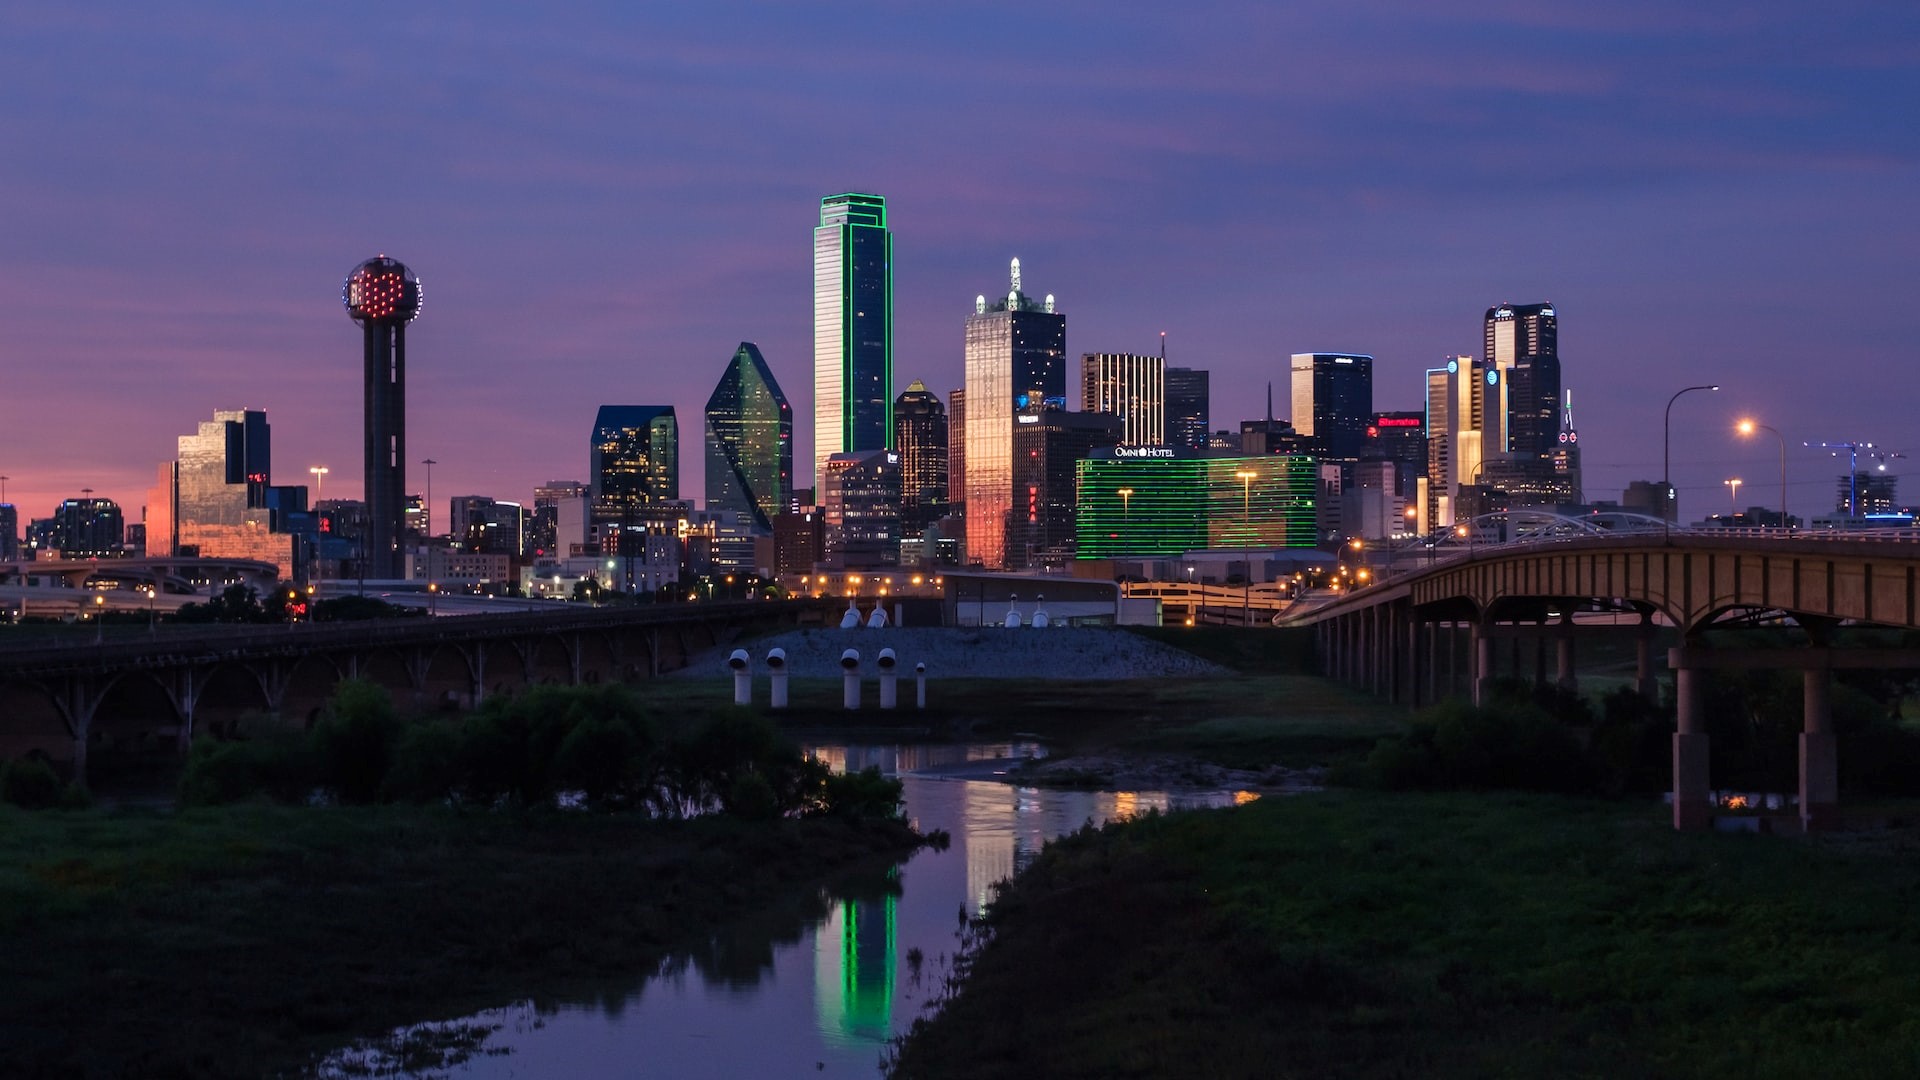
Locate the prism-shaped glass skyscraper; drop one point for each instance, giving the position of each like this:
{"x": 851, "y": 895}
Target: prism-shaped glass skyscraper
{"x": 852, "y": 328}
{"x": 749, "y": 441}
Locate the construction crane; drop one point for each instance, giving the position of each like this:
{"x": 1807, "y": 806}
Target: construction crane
{"x": 1855, "y": 450}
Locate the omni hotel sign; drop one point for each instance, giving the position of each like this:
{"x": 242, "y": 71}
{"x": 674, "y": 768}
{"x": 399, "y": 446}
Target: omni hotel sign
{"x": 1144, "y": 452}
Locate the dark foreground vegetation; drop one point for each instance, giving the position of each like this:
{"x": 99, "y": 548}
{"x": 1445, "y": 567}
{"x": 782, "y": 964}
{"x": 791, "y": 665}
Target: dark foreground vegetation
{"x": 1361, "y": 934}
{"x": 378, "y": 871}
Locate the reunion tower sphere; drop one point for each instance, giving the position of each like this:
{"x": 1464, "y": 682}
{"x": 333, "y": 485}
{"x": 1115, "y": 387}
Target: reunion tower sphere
{"x": 381, "y": 290}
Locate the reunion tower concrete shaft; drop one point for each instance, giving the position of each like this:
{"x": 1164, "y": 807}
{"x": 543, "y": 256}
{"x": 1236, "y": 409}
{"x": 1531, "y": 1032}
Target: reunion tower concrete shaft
{"x": 383, "y": 296}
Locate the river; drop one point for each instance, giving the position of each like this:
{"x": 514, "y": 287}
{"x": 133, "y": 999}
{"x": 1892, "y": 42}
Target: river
{"x": 819, "y": 990}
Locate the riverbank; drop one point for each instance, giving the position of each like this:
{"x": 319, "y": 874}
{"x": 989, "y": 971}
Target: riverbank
{"x": 246, "y": 941}
{"x": 1370, "y": 935}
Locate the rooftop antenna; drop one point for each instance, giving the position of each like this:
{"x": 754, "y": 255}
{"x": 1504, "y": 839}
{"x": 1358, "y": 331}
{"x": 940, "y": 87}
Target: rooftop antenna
{"x": 1016, "y": 275}
{"x": 1163, "y": 346}
{"x": 1269, "y": 403}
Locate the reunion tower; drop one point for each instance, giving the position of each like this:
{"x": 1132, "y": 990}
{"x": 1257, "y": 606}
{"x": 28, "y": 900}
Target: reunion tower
{"x": 383, "y": 296}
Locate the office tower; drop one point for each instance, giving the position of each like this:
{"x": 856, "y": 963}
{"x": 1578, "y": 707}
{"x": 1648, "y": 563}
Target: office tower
{"x": 216, "y": 499}
{"x": 920, "y": 435}
{"x": 1168, "y": 501}
{"x": 852, "y": 327}
{"x": 1189, "y": 415}
{"x": 957, "y": 452}
{"x": 547, "y": 498}
{"x": 1048, "y": 445}
{"x": 1133, "y": 388}
{"x": 1522, "y": 343}
{"x": 1399, "y": 437}
{"x": 1015, "y": 359}
{"x": 1333, "y": 401}
{"x": 1566, "y": 457}
{"x": 383, "y": 296}
{"x": 9, "y": 532}
{"x": 749, "y": 442}
{"x": 634, "y": 460}
{"x": 483, "y": 524}
{"x": 860, "y": 502}
{"x": 1466, "y": 426}
{"x": 1866, "y": 494}
{"x": 86, "y": 528}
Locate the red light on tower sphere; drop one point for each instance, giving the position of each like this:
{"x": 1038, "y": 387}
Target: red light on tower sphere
{"x": 381, "y": 290}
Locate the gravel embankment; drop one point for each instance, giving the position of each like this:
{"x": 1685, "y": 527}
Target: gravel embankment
{"x": 986, "y": 652}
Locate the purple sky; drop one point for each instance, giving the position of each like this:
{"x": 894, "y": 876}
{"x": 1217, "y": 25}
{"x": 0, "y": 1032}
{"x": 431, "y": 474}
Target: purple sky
{"x": 602, "y": 201}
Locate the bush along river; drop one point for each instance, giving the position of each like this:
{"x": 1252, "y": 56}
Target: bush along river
{"x": 814, "y": 985}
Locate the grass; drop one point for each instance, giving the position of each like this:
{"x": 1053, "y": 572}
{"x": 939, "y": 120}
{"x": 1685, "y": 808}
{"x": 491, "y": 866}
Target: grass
{"x": 247, "y": 940}
{"x": 1365, "y": 935}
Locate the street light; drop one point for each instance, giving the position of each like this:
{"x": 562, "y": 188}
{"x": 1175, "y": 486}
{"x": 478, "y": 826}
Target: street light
{"x": 1733, "y": 498}
{"x": 1246, "y": 583}
{"x": 1748, "y": 427}
{"x": 429, "y": 463}
{"x": 1666, "y": 456}
{"x": 319, "y": 483}
{"x": 1126, "y": 502}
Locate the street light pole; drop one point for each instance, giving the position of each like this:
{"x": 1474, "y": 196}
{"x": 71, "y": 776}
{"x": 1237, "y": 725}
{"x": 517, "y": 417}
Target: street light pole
{"x": 427, "y": 545}
{"x": 1666, "y": 457}
{"x": 1246, "y": 509}
{"x": 1748, "y": 427}
{"x": 1733, "y": 498}
{"x": 319, "y": 484}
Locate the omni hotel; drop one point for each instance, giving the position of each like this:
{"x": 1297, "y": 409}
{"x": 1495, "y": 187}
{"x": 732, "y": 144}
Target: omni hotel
{"x": 1145, "y": 501}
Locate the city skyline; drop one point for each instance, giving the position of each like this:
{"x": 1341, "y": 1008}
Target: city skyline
{"x": 1688, "y": 169}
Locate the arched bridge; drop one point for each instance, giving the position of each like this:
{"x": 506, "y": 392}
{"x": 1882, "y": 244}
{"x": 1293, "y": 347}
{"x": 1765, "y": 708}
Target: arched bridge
{"x": 1417, "y": 634}
{"x": 62, "y": 701}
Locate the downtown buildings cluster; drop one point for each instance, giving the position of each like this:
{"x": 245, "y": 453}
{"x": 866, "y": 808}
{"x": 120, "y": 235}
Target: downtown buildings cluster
{"x": 1005, "y": 474}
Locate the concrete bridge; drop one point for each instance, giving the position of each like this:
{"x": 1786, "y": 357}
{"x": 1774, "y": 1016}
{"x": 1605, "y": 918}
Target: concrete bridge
{"x": 66, "y": 701}
{"x": 1433, "y": 631}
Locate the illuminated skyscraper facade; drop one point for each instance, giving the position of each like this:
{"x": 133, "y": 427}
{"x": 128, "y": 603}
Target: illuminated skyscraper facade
{"x": 852, "y": 328}
{"x": 216, "y": 499}
{"x": 920, "y": 435}
{"x": 1466, "y": 427}
{"x": 1523, "y": 343}
{"x": 1015, "y": 359}
{"x": 1131, "y": 387}
{"x": 749, "y": 442}
{"x": 1048, "y": 446}
{"x": 1143, "y": 501}
{"x": 633, "y": 460}
{"x": 383, "y": 296}
{"x": 1189, "y": 411}
{"x": 1333, "y": 401}
{"x": 860, "y": 501}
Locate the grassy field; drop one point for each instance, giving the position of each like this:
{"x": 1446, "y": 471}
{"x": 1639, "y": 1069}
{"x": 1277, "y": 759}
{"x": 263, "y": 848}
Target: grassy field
{"x": 1362, "y": 935}
{"x": 244, "y": 941}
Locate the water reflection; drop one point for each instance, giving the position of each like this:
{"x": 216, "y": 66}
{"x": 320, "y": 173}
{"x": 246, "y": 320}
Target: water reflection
{"x": 813, "y": 984}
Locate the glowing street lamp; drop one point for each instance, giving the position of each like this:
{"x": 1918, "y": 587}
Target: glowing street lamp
{"x": 1733, "y": 497}
{"x": 1666, "y": 455}
{"x": 1126, "y": 501}
{"x": 1747, "y": 428}
{"x": 1246, "y": 583}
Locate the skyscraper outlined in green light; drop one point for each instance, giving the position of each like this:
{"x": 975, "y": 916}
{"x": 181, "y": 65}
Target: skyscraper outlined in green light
{"x": 852, "y": 328}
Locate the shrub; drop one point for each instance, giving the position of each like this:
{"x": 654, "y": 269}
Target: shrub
{"x": 425, "y": 765}
{"x": 1459, "y": 745}
{"x": 865, "y": 794}
{"x": 354, "y": 740}
{"x": 29, "y": 783}
{"x": 281, "y": 769}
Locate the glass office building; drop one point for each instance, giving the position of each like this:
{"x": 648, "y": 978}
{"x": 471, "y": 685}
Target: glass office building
{"x": 1160, "y": 500}
{"x": 1189, "y": 414}
{"x": 1333, "y": 400}
{"x": 1015, "y": 359}
{"x": 749, "y": 442}
{"x": 920, "y": 435}
{"x": 1131, "y": 387}
{"x": 852, "y": 328}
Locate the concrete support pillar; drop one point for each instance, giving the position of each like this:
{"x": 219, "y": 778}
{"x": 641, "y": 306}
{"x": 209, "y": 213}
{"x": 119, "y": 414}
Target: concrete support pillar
{"x": 1644, "y": 678}
{"x": 1819, "y": 763}
{"x": 1413, "y": 653}
{"x": 1692, "y": 806}
{"x": 1564, "y": 676}
{"x": 1540, "y": 654}
{"x": 1517, "y": 661}
{"x": 1482, "y": 663}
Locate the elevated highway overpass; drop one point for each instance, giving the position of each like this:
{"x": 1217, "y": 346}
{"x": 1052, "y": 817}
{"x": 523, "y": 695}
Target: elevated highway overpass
{"x": 1427, "y": 631}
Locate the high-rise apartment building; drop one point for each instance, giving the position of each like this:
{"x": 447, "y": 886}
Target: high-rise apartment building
{"x": 383, "y": 296}
{"x": 749, "y": 442}
{"x": 1333, "y": 401}
{"x": 1466, "y": 427}
{"x": 920, "y": 435}
{"x": 1133, "y": 388}
{"x": 544, "y": 531}
{"x": 1523, "y": 344}
{"x": 1015, "y": 359}
{"x": 1189, "y": 411}
{"x": 633, "y": 460}
{"x": 852, "y": 327}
